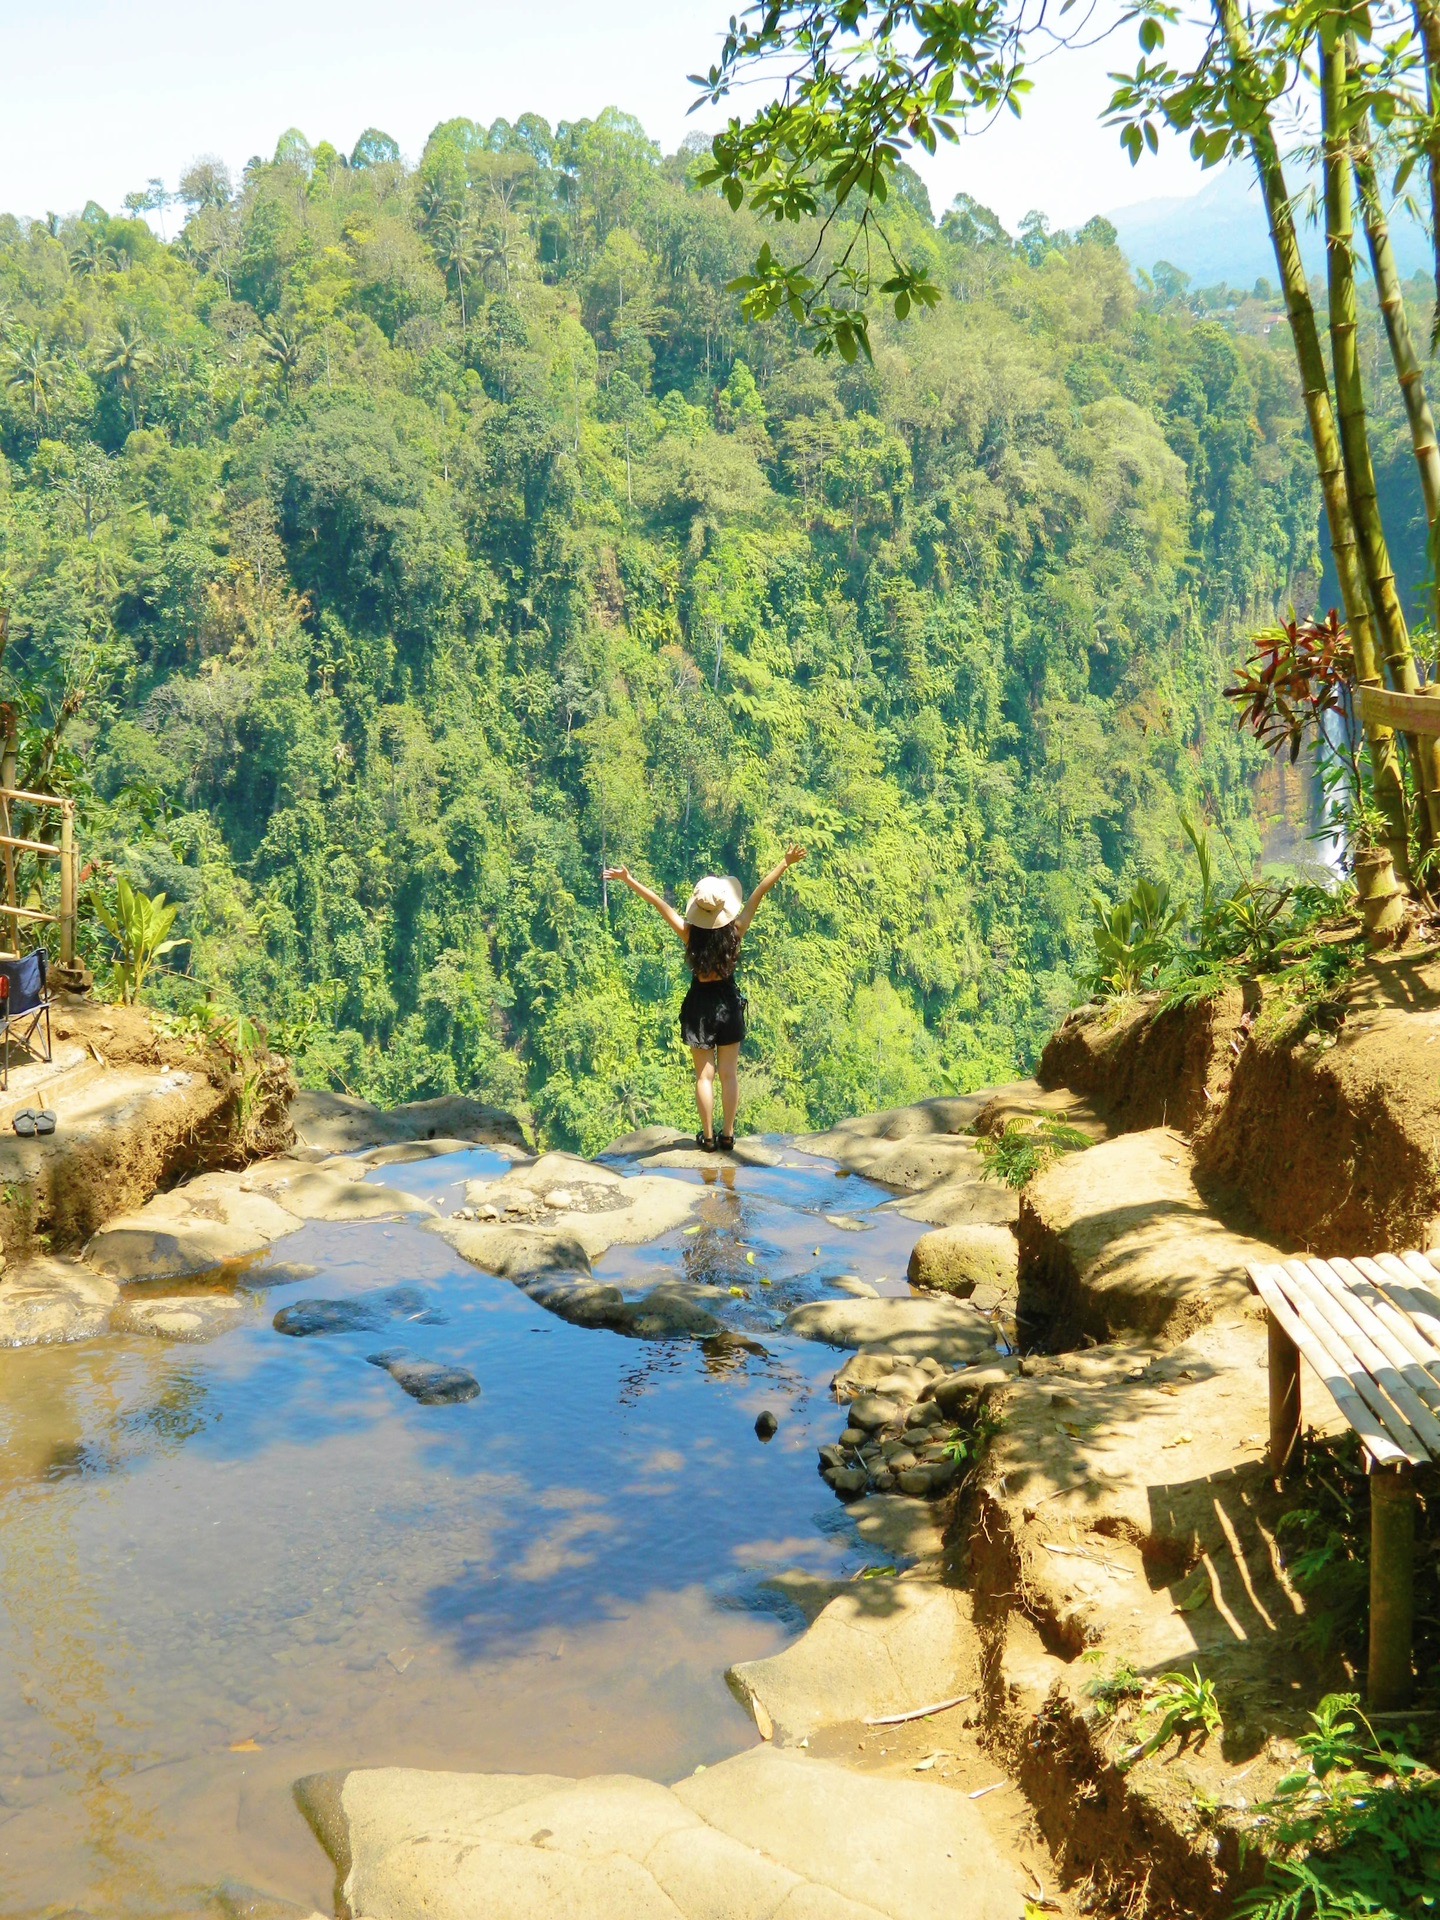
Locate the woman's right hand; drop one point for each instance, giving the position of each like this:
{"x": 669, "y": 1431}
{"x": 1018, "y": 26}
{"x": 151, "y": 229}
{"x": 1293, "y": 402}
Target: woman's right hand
{"x": 794, "y": 856}
{"x": 617, "y": 873}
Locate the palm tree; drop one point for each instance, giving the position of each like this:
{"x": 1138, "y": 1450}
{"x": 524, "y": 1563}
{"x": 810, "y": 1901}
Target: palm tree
{"x": 126, "y": 357}
{"x": 458, "y": 252}
{"x": 33, "y": 370}
{"x": 497, "y": 249}
{"x": 281, "y": 349}
{"x": 93, "y": 255}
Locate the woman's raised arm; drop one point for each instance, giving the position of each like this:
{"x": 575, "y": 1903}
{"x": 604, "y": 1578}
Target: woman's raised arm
{"x": 662, "y": 906}
{"x": 792, "y": 858}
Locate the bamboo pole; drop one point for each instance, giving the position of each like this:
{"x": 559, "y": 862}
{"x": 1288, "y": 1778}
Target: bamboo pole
{"x": 7, "y": 783}
{"x": 1392, "y": 634}
{"x": 1392, "y": 1587}
{"x": 1408, "y": 370}
{"x": 1427, "y": 20}
{"x": 1315, "y": 387}
{"x": 67, "y": 886}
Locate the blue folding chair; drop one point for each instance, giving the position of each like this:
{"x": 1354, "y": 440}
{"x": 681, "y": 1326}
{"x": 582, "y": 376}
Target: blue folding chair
{"x": 24, "y": 1006}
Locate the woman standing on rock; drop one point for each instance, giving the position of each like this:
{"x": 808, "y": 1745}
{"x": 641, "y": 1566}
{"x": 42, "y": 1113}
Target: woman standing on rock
{"x": 712, "y": 1014}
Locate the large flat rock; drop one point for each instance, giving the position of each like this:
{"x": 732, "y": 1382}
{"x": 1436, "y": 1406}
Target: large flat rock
{"x": 950, "y": 1331}
{"x": 594, "y": 1206}
{"x": 670, "y": 1147}
{"x": 1117, "y": 1241}
{"x": 192, "y": 1229}
{"x": 48, "y": 1302}
{"x": 339, "y": 1123}
{"x": 880, "y": 1647}
{"x": 221, "y": 1218}
{"x": 765, "y": 1836}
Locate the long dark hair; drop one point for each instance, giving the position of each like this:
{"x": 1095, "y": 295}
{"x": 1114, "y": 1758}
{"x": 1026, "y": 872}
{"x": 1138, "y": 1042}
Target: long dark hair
{"x": 712, "y": 951}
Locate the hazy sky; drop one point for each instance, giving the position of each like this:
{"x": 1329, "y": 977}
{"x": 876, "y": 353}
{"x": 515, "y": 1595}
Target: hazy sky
{"x": 103, "y": 94}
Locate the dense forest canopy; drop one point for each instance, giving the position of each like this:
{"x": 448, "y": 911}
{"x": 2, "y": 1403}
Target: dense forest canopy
{"x": 396, "y": 546}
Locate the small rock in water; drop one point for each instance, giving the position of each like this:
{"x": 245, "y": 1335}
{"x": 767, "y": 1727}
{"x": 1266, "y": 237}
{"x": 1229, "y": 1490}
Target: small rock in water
{"x": 327, "y": 1316}
{"x": 720, "y": 1345}
{"x": 766, "y": 1425}
{"x": 428, "y": 1381}
{"x": 853, "y": 1437}
{"x": 362, "y": 1314}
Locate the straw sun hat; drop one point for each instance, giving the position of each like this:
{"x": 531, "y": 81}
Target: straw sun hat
{"x": 714, "y": 903}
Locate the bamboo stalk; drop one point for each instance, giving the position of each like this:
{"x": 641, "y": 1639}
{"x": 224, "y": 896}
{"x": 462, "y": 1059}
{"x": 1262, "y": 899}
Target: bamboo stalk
{"x": 1315, "y": 388}
{"x": 7, "y": 783}
{"x": 1427, "y": 20}
{"x": 1408, "y": 370}
{"x": 1392, "y": 634}
{"x": 67, "y": 887}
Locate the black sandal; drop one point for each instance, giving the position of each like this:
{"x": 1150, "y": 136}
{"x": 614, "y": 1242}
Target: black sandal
{"x": 705, "y": 1142}
{"x": 725, "y": 1143}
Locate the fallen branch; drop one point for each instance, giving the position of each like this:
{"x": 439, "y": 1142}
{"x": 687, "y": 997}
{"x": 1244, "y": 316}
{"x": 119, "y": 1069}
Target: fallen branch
{"x": 919, "y": 1713}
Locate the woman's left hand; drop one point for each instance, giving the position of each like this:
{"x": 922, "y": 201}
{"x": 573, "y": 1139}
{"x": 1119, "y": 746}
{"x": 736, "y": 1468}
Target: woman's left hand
{"x": 616, "y": 873}
{"x": 794, "y": 856}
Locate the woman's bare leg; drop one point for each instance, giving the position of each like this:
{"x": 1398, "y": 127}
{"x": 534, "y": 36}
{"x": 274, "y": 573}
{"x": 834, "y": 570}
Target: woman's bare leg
{"x": 730, "y": 1085}
{"x": 704, "y": 1058}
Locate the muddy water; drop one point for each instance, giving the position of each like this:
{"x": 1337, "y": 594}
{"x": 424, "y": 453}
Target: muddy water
{"x": 223, "y": 1566}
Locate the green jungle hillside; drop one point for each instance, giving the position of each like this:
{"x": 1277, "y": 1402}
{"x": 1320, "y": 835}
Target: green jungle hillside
{"x": 394, "y": 547}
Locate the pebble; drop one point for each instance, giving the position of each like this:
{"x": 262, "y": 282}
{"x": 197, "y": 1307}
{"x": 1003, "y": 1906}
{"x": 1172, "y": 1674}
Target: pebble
{"x": 560, "y": 1198}
{"x": 924, "y": 1413}
{"x": 766, "y": 1425}
{"x": 900, "y": 1460}
{"x": 852, "y": 1437}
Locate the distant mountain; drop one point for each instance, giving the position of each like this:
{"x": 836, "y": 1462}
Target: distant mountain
{"x": 1220, "y": 234}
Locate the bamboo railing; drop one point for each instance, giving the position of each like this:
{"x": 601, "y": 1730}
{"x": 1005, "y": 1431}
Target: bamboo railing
{"x": 12, "y": 843}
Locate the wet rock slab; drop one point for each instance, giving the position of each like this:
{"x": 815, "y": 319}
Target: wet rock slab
{"x": 431, "y": 1382}
{"x": 357, "y": 1313}
{"x": 182, "y": 1317}
{"x": 545, "y": 1209}
{"x": 49, "y": 1302}
{"x": 766, "y": 1834}
{"x": 668, "y": 1311}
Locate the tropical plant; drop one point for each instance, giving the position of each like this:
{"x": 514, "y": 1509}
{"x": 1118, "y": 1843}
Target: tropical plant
{"x": 1186, "y": 1704}
{"x": 1356, "y": 1829}
{"x": 139, "y": 924}
{"x": 1023, "y": 1148}
{"x": 1133, "y": 938}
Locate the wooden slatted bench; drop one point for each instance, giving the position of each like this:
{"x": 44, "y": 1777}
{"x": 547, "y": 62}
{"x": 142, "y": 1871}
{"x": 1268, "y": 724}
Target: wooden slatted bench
{"x": 1371, "y": 1331}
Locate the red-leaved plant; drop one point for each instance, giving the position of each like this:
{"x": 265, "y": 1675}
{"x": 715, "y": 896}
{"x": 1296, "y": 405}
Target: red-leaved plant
{"x": 1297, "y": 673}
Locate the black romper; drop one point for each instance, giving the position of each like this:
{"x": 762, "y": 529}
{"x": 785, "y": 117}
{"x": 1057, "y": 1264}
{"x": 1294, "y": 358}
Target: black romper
{"x": 712, "y": 1014}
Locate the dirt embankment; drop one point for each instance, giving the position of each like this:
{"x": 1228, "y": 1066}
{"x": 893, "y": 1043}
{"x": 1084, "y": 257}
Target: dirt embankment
{"x": 1147, "y": 1065}
{"x": 1326, "y": 1131}
{"x": 137, "y": 1110}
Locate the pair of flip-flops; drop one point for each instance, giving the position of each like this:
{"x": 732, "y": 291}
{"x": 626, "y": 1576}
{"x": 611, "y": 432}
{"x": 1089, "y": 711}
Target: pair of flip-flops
{"x": 33, "y": 1120}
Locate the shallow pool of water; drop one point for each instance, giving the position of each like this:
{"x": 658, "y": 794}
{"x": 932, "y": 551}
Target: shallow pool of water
{"x": 222, "y": 1566}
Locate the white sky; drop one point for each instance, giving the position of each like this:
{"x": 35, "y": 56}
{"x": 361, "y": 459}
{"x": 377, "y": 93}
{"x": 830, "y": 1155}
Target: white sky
{"x": 104, "y": 94}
